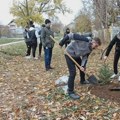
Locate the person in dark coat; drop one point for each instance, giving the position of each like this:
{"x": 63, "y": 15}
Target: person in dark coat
{"x": 79, "y": 49}
{"x": 67, "y": 32}
{"x": 47, "y": 43}
{"x": 33, "y": 35}
{"x": 115, "y": 41}
{"x": 40, "y": 43}
{"x": 27, "y": 41}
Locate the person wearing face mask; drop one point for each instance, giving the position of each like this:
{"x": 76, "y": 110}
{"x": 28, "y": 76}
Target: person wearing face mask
{"x": 67, "y": 32}
{"x": 47, "y": 43}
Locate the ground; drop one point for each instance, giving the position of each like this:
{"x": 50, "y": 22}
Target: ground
{"x": 28, "y": 92}
{"x": 105, "y": 92}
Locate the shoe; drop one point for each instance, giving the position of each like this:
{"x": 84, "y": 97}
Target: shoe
{"x": 35, "y": 58}
{"x": 113, "y": 76}
{"x": 85, "y": 82}
{"x": 47, "y": 69}
{"x": 119, "y": 79}
{"x": 28, "y": 57}
{"x": 51, "y": 67}
{"x": 74, "y": 96}
{"x": 39, "y": 57}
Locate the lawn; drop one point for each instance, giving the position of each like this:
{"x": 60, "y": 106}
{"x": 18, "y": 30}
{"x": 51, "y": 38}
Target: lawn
{"x": 8, "y": 40}
{"x": 28, "y": 92}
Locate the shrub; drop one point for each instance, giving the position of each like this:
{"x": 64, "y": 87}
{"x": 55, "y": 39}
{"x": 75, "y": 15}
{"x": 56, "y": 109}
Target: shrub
{"x": 104, "y": 74}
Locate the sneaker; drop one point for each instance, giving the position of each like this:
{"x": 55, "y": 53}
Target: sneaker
{"x": 51, "y": 67}
{"x": 119, "y": 79}
{"x": 35, "y": 58}
{"x": 85, "y": 82}
{"x": 113, "y": 76}
{"x": 28, "y": 57}
{"x": 74, "y": 96}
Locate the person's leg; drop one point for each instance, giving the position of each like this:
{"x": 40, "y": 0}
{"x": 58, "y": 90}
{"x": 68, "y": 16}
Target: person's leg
{"x": 50, "y": 56}
{"x": 72, "y": 74}
{"x": 28, "y": 48}
{"x": 40, "y": 49}
{"x": 46, "y": 57}
{"x": 115, "y": 64}
{"x": 82, "y": 74}
{"x": 34, "y": 46}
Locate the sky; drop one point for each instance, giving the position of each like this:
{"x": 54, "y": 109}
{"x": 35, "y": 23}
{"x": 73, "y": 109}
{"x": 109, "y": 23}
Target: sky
{"x": 6, "y": 17}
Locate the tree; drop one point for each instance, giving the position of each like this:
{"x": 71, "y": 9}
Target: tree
{"x": 35, "y": 9}
{"x": 83, "y": 23}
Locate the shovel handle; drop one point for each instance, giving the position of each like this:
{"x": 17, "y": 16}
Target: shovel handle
{"x": 68, "y": 54}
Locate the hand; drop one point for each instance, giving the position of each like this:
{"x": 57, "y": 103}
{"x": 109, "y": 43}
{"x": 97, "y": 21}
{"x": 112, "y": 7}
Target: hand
{"x": 105, "y": 58}
{"x": 82, "y": 69}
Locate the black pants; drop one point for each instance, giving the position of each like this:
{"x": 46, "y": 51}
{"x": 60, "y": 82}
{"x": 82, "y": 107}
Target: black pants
{"x": 72, "y": 72}
{"x": 28, "y": 44}
{"x": 34, "y": 46}
{"x": 115, "y": 64}
{"x": 40, "y": 48}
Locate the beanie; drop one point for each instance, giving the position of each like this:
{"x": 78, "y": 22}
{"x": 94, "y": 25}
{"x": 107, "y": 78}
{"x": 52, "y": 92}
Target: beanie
{"x": 47, "y": 21}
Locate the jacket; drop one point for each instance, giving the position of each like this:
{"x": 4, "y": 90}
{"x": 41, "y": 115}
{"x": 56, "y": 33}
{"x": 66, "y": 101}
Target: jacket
{"x": 79, "y": 47}
{"x": 45, "y": 37}
{"x": 33, "y": 35}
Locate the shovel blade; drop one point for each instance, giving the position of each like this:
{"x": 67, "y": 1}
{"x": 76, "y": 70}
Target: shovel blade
{"x": 92, "y": 79}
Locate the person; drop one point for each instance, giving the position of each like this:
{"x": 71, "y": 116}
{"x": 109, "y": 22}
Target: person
{"x": 115, "y": 41}
{"x": 27, "y": 41}
{"x": 40, "y": 42}
{"x": 47, "y": 43}
{"x": 79, "y": 49}
{"x": 67, "y": 32}
{"x": 33, "y": 35}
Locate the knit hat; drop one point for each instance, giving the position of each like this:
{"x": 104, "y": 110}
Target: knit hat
{"x": 47, "y": 21}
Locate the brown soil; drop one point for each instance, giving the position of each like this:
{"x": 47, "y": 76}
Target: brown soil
{"x": 104, "y": 91}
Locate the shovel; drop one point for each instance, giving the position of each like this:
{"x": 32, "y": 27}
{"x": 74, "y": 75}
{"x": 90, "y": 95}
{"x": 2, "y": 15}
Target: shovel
{"x": 91, "y": 78}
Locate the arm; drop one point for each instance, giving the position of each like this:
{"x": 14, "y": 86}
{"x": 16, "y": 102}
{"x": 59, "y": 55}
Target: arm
{"x": 43, "y": 35}
{"x": 84, "y": 60}
{"x": 63, "y": 41}
{"x": 73, "y": 36}
{"x": 110, "y": 46}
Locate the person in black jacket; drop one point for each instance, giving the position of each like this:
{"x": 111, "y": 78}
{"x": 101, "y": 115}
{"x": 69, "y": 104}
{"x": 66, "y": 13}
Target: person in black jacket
{"x": 67, "y": 32}
{"x": 40, "y": 43}
{"x": 33, "y": 35}
{"x": 115, "y": 41}
{"x": 27, "y": 41}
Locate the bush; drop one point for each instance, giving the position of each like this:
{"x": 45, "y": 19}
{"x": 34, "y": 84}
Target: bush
{"x": 104, "y": 74}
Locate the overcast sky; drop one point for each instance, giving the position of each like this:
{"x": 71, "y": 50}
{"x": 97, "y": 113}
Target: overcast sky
{"x": 6, "y": 17}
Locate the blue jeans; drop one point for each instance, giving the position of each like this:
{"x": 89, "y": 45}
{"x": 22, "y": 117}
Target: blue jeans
{"x": 48, "y": 57}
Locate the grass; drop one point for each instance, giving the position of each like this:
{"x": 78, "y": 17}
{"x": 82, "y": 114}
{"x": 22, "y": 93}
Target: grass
{"x": 14, "y": 50}
{"x": 8, "y": 40}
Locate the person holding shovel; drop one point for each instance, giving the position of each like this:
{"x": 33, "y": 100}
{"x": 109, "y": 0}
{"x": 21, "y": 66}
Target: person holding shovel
{"x": 115, "y": 41}
{"x": 79, "y": 49}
